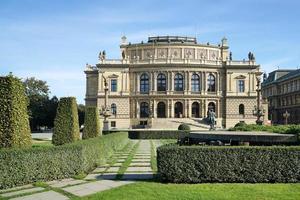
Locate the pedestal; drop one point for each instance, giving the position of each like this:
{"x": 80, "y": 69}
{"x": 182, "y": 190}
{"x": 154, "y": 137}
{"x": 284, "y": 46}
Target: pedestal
{"x": 105, "y": 125}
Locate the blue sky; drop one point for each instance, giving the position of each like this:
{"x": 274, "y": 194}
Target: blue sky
{"x": 54, "y": 39}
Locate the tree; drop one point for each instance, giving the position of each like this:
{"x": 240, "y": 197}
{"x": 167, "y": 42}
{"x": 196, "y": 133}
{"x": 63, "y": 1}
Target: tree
{"x": 37, "y": 92}
{"x": 66, "y": 127}
{"x": 14, "y": 124}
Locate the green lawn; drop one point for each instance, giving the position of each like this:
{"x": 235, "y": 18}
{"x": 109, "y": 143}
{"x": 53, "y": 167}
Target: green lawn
{"x": 41, "y": 143}
{"x": 148, "y": 190}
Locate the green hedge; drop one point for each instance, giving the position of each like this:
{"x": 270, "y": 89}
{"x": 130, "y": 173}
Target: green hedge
{"x": 91, "y": 123}
{"x": 196, "y": 164}
{"x": 66, "y": 125}
{"x": 14, "y": 123}
{"x": 23, "y": 166}
{"x": 285, "y": 129}
{"x": 184, "y": 127}
{"x": 156, "y": 134}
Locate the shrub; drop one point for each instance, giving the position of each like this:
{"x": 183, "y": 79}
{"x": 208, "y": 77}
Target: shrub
{"x": 157, "y": 134}
{"x": 240, "y": 124}
{"x": 91, "y": 123}
{"x": 66, "y": 127}
{"x": 23, "y": 166}
{"x": 14, "y": 123}
{"x": 196, "y": 164}
{"x": 285, "y": 129}
{"x": 184, "y": 127}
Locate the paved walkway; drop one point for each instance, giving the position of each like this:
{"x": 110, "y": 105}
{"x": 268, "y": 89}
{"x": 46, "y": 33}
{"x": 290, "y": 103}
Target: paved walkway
{"x": 125, "y": 167}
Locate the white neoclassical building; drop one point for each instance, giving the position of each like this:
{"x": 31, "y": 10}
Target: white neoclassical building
{"x": 169, "y": 80}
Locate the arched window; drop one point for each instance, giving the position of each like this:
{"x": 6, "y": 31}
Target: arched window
{"x": 211, "y": 83}
{"x": 161, "y": 110}
{"x": 144, "y": 110}
{"x": 178, "y": 110}
{"x": 113, "y": 108}
{"x": 195, "y": 109}
{"x": 241, "y": 109}
{"x": 144, "y": 83}
{"x": 161, "y": 82}
{"x": 212, "y": 106}
{"x": 195, "y": 82}
{"x": 178, "y": 82}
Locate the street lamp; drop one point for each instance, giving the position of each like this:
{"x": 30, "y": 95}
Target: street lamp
{"x": 258, "y": 110}
{"x": 105, "y": 111}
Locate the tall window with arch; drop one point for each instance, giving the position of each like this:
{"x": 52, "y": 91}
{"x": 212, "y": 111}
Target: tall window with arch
{"x": 113, "y": 109}
{"x": 241, "y": 109}
{"x": 195, "y": 82}
{"x": 161, "y": 82}
{"x": 144, "y": 83}
{"x": 178, "y": 82}
{"x": 144, "y": 110}
{"x": 211, "y": 83}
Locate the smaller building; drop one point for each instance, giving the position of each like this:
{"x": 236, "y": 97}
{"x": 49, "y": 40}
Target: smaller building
{"x": 282, "y": 90}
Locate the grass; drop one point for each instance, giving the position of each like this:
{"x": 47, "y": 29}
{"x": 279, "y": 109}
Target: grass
{"x": 127, "y": 162}
{"x": 41, "y": 143}
{"x": 153, "y": 191}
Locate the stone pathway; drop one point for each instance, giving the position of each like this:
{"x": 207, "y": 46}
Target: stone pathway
{"x": 134, "y": 162}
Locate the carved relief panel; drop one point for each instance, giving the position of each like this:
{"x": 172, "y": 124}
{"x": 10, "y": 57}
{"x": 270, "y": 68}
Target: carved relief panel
{"x": 176, "y": 53}
{"x": 213, "y": 54}
{"x": 162, "y": 53}
{"x": 148, "y": 53}
{"x": 189, "y": 53}
{"x": 202, "y": 54}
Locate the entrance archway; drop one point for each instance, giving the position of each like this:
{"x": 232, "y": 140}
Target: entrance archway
{"x": 161, "y": 110}
{"x": 178, "y": 110}
{"x": 211, "y": 106}
{"x": 195, "y": 110}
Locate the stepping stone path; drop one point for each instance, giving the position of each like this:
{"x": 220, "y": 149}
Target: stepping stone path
{"x": 136, "y": 161}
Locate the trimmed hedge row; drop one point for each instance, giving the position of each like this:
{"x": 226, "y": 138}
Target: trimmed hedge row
{"x": 91, "y": 123}
{"x": 285, "y": 129}
{"x": 14, "y": 123}
{"x": 196, "y": 164}
{"x": 66, "y": 125}
{"x": 23, "y": 166}
{"x": 156, "y": 134}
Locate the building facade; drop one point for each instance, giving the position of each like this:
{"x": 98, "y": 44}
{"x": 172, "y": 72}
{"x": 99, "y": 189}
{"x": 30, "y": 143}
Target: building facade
{"x": 170, "y": 80}
{"x": 282, "y": 90}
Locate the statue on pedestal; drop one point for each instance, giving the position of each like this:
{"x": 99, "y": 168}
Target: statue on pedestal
{"x": 211, "y": 119}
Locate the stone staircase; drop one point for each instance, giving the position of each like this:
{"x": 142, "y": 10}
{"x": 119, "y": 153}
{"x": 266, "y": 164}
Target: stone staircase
{"x": 173, "y": 123}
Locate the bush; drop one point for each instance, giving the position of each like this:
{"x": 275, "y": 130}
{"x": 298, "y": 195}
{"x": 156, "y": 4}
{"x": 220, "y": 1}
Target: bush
{"x": 157, "y": 134}
{"x": 240, "y": 124}
{"x": 196, "y": 164}
{"x": 66, "y": 127}
{"x": 184, "y": 127}
{"x": 285, "y": 129}
{"x": 91, "y": 123}
{"x": 14, "y": 123}
{"x": 23, "y": 166}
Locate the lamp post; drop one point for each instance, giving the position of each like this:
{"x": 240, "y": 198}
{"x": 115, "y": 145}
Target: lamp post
{"x": 258, "y": 110}
{"x": 105, "y": 112}
{"x": 286, "y": 115}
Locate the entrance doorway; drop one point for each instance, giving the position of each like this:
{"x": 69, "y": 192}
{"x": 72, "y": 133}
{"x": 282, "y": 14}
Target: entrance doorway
{"x": 178, "y": 110}
{"x": 195, "y": 110}
{"x": 161, "y": 110}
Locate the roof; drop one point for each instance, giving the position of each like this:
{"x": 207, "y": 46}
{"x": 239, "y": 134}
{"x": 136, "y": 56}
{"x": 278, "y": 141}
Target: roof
{"x": 172, "y": 39}
{"x": 281, "y": 75}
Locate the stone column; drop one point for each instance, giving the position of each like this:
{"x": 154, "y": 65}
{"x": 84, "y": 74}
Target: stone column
{"x": 155, "y": 81}
{"x": 204, "y": 83}
{"x": 172, "y": 82}
{"x": 154, "y": 109}
{"x": 137, "y": 109}
{"x": 172, "y": 108}
{"x": 168, "y": 108}
{"x": 137, "y": 82}
{"x": 100, "y": 83}
{"x": 185, "y": 75}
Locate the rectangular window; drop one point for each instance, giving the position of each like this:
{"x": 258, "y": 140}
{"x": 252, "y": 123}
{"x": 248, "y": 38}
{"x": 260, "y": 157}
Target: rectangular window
{"x": 113, "y": 85}
{"x": 113, "y": 124}
{"x": 241, "y": 86}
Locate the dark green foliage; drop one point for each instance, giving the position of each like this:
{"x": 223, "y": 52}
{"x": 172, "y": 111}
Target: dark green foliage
{"x": 19, "y": 166}
{"x": 81, "y": 113}
{"x": 198, "y": 164}
{"x": 66, "y": 128}
{"x": 285, "y": 129}
{"x": 91, "y": 123}
{"x": 157, "y": 134}
{"x": 240, "y": 124}
{"x": 14, "y": 124}
{"x": 184, "y": 127}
